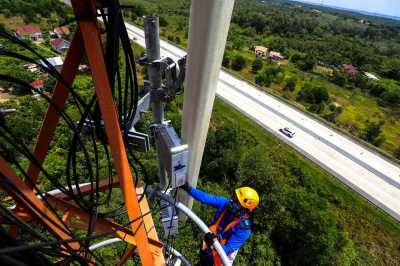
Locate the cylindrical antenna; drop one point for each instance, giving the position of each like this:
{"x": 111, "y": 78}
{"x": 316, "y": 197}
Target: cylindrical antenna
{"x": 208, "y": 31}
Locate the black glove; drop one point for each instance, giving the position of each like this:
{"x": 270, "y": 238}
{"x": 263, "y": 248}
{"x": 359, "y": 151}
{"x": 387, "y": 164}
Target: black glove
{"x": 186, "y": 187}
{"x": 209, "y": 238}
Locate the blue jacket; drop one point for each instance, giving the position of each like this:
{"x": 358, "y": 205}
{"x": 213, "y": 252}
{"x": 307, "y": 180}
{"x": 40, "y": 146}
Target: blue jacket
{"x": 239, "y": 234}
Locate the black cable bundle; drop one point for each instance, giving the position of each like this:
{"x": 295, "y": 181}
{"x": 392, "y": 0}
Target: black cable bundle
{"x": 10, "y": 143}
{"x": 87, "y": 153}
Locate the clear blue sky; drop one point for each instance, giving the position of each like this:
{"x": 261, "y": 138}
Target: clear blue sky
{"x": 386, "y": 7}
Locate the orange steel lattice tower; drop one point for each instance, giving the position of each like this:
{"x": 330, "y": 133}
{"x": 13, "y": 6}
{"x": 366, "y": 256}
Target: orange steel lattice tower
{"x": 30, "y": 207}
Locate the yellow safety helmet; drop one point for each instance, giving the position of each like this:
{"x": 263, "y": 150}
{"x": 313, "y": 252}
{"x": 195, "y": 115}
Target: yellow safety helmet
{"x": 247, "y": 197}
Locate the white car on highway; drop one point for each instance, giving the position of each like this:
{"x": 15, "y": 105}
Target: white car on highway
{"x": 287, "y": 132}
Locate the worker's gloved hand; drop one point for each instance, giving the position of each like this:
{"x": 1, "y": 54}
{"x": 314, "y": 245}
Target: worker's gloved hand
{"x": 186, "y": 187}
{"x": 209, "y": 238}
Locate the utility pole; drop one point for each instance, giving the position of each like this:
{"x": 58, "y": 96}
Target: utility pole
{"x": 164, "y": 84}
{"x": 208, "y": 31}
{"x": 152, "y": 39}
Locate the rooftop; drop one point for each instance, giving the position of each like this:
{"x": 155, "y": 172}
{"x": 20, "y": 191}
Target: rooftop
{"x": 62, "y": 30}
{"x": 54, "y": 61}
{"x": 259, "y": 48}
{"x": 37, "y": 83}
{"x": 28, "y": 29}
{"x": 275, "y": 54}
{"x": 371, "y": 76}
{"x": 58, "y": 42}
{"x": 350, "y": 69}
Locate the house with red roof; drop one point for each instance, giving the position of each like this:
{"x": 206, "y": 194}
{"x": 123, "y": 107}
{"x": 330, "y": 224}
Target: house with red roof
{"x": 276, "y": 55}
{"x": 59, "y": 45}
{"x": 29, "y": 32}
{"x": 38, "y": 85}
{"x": 350, "y": 69}
{"x": 59, "y": 32}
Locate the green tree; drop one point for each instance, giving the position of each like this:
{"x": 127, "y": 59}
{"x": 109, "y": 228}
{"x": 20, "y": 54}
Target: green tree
{"x": 391, "y": 97}
{"x": 263, "y": 79}
{"x": 391, "y": 69}
{"x": 25, "y": 122}
{"x": 373, "y": 133}
{"x": 259, "y": 250}
{"x": 257, "y": 65}
{"x": 16, "y": 70}
{"x": 163, "y": 22}
{"x": 376, "y": 88}
{"x": 221, "y": 152}
{"x": 139, "y": 11}
{"x": 295, "y": 58}
{"x": 308, "y": 63}
{"x": 237, "y": 43}
{"x": 275, "y": 73}
{"x": 255, "y": 171}
{"x": 238, "y": 62}
{"x": 269, "y": 75}
{"x": 334, "y": 111}
{"x": 396, "y": 153}
{"x": 257, "y": 20}
{"x": 290, "y": 84}
{"x": 306, "y": 231}
{"x": 339, "y": 77}
{"x": 304, "y": 61}
{"x": 313, "y": 94}
{"x": 133, "y": 16}
{"x": 226, "y": 61}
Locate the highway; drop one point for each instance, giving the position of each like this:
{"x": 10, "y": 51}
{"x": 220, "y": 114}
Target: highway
{"x": 370, "y": 175}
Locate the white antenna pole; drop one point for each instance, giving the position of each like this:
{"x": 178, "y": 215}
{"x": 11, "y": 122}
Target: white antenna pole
{"x": 208, "y": 31}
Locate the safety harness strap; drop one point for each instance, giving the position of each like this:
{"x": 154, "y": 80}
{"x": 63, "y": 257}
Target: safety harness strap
{"x": 214, "y": 229}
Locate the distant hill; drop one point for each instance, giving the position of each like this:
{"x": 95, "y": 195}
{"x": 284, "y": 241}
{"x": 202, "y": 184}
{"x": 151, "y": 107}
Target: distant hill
{"x": 369, "y": 13}
{"x": 366, "y": 13}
